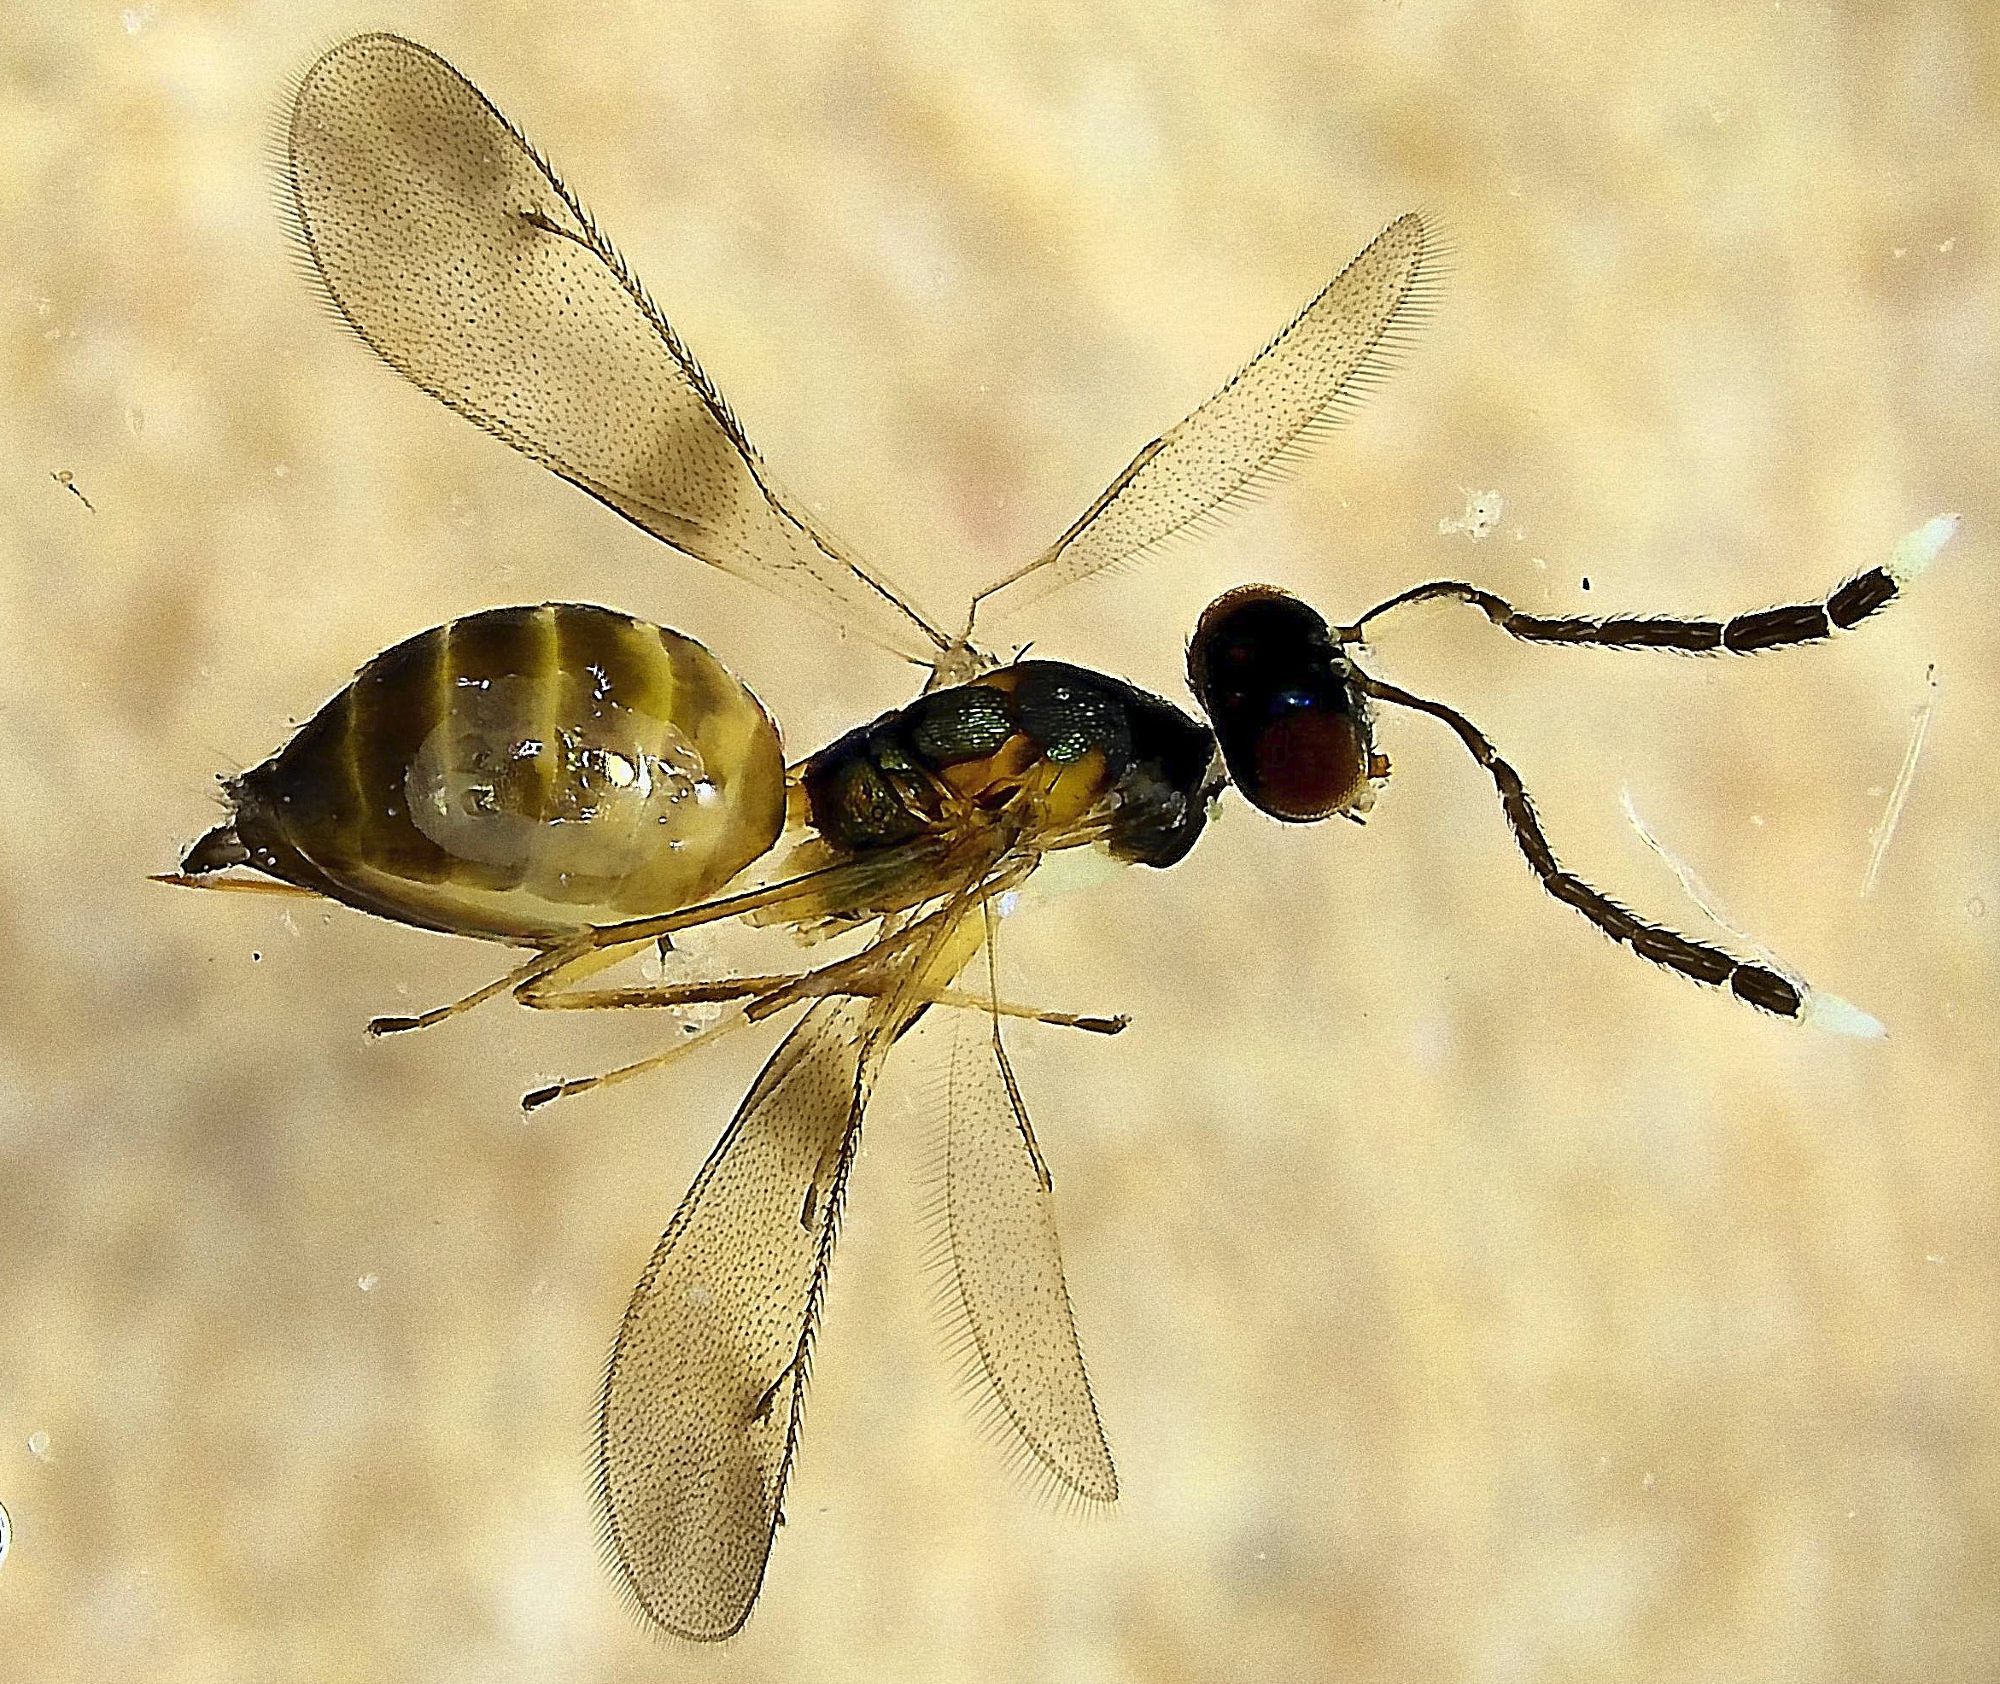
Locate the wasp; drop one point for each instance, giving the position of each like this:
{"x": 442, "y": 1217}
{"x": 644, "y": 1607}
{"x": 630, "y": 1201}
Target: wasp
{"x": 586, "y": 786}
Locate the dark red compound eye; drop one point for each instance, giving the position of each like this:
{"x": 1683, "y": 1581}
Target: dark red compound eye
{"x": 1308, "y": 764}
{"x": 1278, "y": 692}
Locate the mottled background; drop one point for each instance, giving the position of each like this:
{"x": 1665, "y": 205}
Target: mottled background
{"x": 1466, "y": 1299}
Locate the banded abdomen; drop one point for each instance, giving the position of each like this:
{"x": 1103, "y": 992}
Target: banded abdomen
{"x": 519, "y": 774}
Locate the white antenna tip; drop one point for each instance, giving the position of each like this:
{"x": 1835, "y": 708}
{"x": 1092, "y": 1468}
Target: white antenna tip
{"x": 1841, "y": 1017}
{"x": 1916, "y": 550}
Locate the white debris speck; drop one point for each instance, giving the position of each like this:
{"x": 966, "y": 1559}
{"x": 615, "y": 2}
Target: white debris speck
{"x": 1481, "y": 519}
{"x": 1007, "y": 902}
{"x": 368, "y": 1283}
{"x": 698, "y": 1296}
{"x": 38, "y": 1446}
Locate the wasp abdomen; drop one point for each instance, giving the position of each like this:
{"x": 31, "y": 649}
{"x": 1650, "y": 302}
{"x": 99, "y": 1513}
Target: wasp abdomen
{"x": 520, "y": 773}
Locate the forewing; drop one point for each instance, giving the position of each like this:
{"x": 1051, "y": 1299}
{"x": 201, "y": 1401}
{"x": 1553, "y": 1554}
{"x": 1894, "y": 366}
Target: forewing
{"x": 451, "y": 248}
{"x": 1305, "y": 380}
{"x": 1004, "y": 1285}
{"x": 701, "y": 1406}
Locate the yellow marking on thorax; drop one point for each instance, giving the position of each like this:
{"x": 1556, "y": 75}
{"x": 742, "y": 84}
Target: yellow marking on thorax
{"x": 1058, "y": 794}
{"x": 1074, "y": 790}
{"x": 1009, "y": 764}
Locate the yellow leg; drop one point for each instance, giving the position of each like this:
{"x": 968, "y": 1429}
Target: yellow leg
{"x": 577, "y": 957}
{"x": 760, "y": 1003}
{"x": 869, "y": 973}
{"x": 573, "y": 961}
{"x": 736, "y": 1019}
{"x": 670, "y": 995}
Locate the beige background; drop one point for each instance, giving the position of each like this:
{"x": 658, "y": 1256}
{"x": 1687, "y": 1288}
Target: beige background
{"x": 1465, "y": 1299}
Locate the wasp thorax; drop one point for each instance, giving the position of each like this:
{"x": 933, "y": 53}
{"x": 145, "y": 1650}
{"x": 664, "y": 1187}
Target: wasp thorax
{"x": 1293, "y": 729}
{"x": 1073, "y": 755}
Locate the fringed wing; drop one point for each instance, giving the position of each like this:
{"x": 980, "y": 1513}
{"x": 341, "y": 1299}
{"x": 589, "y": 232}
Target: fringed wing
{"x": 445, "y": 241}
{"x": 699, "y": 1419}
{"x": 1305, "y": 380}
{"x": 700, "y": 1413}
{"x": 1002, "y": 1264}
